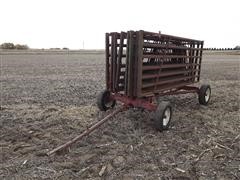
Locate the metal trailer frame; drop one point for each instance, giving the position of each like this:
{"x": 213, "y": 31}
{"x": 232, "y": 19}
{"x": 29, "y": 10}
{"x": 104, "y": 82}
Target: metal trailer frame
{"x": 140, "y": 66}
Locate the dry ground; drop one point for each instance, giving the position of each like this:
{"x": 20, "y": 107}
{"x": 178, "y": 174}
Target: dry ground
{"x": 46, "y": 99}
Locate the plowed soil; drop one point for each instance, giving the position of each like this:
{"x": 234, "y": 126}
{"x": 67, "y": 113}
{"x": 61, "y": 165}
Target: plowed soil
{"x": 49, "y": 98}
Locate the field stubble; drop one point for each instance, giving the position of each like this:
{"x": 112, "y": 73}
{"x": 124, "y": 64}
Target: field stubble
{"x": 47, "y": 99}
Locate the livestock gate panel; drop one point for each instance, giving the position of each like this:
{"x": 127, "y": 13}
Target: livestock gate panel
{"x": 116, "y": 44}
{"x": 140, "y": 63}
{"x": 169, "y": 62}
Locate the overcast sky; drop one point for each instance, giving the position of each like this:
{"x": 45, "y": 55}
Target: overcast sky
{"x": 69, "y": 23}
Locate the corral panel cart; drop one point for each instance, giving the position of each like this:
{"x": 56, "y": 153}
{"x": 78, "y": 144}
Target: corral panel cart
{"x": 141, "y": 66}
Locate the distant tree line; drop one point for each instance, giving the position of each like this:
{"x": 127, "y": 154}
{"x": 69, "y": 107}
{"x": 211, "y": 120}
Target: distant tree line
{"x": 237, "y": 48}
{"x": 64, "y": 48}
{"x": 222, "y": 49}
{"x": 13, "y": 46}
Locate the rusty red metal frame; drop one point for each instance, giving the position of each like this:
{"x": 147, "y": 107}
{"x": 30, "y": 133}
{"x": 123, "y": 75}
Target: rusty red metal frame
{"x": 147, "y": 102}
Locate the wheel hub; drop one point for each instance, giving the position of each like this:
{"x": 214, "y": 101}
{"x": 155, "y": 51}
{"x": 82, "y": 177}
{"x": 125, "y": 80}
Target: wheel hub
{"x": 108, "y": 102}
{"x": 207, "y": 95}
{"x": 166, "y": 117}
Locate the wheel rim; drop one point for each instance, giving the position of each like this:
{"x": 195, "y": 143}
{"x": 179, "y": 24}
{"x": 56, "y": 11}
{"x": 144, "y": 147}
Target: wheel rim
{"x": 207, "y": 95}
{"x": 108, "y": 102}
{"x": 167, "y": 116}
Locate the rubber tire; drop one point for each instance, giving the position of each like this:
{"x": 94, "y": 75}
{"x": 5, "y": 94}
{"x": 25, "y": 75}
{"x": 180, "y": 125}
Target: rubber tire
{"x": 202, "y": 93}
{"x": 159, "y": 115}
{"x": 102, "y": 99}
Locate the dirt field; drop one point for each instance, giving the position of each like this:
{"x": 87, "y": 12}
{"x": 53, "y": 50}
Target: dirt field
{"x": 47, "y": 99}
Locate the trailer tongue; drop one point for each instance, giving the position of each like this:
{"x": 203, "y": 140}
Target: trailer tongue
{"x": 87, "y": 131}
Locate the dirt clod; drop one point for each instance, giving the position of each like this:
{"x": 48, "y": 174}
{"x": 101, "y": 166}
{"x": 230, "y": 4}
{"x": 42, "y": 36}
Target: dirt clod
{"x": 119, "y": 161}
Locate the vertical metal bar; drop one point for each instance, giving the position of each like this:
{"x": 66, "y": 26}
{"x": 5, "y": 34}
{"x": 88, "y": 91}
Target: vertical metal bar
{"x": 130, "y": 66}
{"x": 196, "y": 62}
{"x": 127, "y": 65}
{"x": 191, "y": 60}
{"x": 134, "y": 64}
{"x": 107, "y": 75}
{"x": 114, "y": 59}
{"x": 139, "y": 63}
{"x": 200, "y": 60}
{"x": 119, "y": 61}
